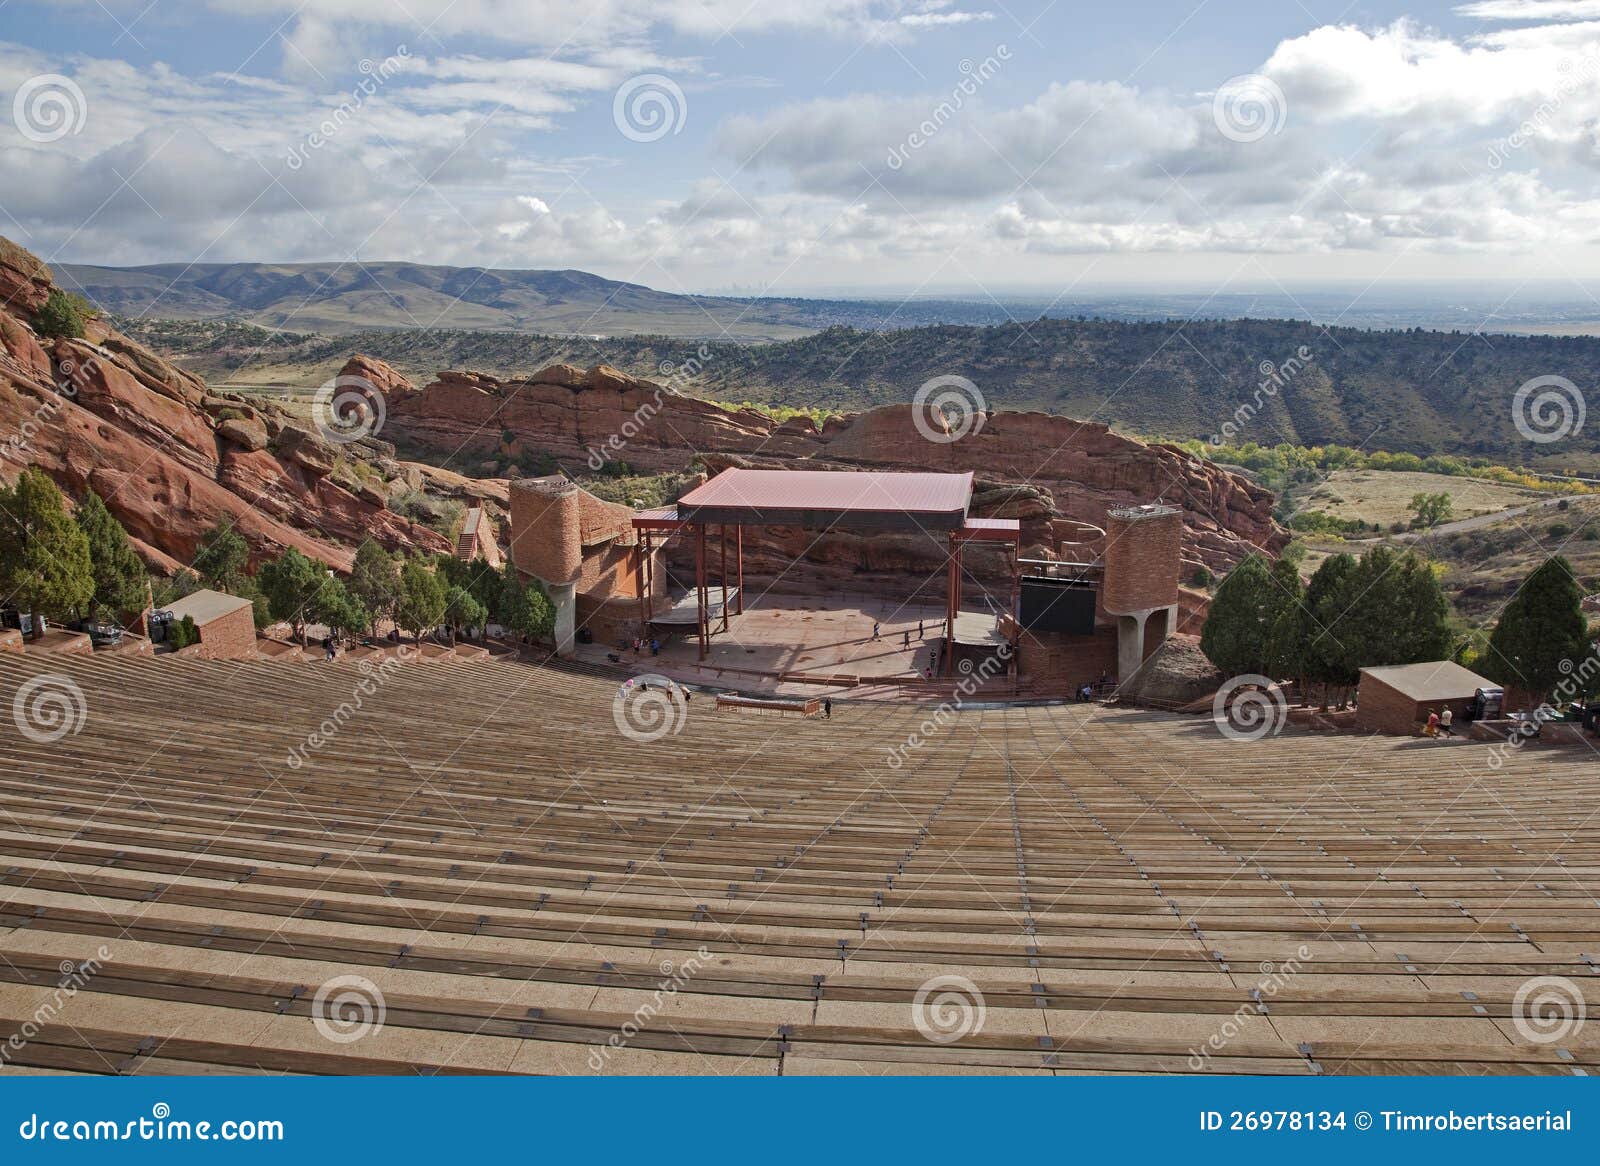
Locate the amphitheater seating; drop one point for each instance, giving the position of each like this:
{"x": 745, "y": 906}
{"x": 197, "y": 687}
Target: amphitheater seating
{"x": 1128, "y": 891}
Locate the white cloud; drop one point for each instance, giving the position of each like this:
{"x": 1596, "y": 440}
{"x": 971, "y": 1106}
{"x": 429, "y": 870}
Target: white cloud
{"x": 1396, "y": 140}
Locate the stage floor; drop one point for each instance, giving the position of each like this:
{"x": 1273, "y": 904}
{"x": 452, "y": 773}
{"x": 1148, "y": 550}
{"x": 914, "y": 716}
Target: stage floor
{"x": 817, "y": 635}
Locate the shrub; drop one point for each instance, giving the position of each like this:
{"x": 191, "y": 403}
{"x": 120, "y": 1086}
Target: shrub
{"x": 63, "y": 315}
{"x": 183, "y": 633}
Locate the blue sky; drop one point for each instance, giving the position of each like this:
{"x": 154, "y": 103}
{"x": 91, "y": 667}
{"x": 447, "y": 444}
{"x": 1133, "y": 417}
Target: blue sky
{"x": 904, "y": 145}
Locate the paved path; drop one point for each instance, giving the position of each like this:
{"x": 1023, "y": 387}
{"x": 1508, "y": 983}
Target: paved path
{"x": 1476, "y": 522}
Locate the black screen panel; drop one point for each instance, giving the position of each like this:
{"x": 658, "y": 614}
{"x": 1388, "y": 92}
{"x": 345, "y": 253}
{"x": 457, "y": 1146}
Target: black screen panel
{"x": 1058, "y": 605}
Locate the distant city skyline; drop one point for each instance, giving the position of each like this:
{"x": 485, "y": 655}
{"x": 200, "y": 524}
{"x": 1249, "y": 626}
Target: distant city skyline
{"x": 893, "y": 147}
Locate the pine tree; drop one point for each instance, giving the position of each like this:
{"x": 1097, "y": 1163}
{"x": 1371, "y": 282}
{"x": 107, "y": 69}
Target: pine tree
{"x": 1398, "y": 612}
{"x": 120, "y": 581}
{"x": 462, "y": 610}
{"x": 44, "y": 557}
{"x": 1542, "y": 627}
{"x": 422, "y": 599}
{"x": 531, "y": 614}
{"x": 292, "y": 583}
{"x": 222, "y": 560}
{"x": 1282, "y": 655}
{"x": 375, "y": 581}
{"x": 1235, "y": 634}
{"x": 339, "y": 610}
{"x": 1326, "y": 658}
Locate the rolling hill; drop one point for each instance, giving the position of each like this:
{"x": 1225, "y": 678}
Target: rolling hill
{"x": 346, "y": 297}
{"x": 1417, "y": 391}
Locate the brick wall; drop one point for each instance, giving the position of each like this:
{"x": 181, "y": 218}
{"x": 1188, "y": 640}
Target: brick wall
{"x": 1382, "y": 709}
{"x": 229, "y": 637}
{"x": 1141, "y": 556}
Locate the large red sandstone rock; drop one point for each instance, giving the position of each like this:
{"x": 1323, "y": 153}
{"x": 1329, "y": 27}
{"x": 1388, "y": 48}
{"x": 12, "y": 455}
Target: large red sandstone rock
{"x": 105, "y": 388}
{"x": 1066, "y": 469}
{"x": 380, "y": 374}
{"x": 105, "y": 412}
{"x": 24, "y": 280}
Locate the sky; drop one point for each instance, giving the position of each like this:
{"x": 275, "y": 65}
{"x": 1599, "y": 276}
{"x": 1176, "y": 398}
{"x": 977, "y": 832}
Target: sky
{"x": 797, "y": 146}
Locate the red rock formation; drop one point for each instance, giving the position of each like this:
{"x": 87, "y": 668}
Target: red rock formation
{"x": 170, "y": 460}
{"x": 1035, "y": 467}
{"x": 378, "y": 373}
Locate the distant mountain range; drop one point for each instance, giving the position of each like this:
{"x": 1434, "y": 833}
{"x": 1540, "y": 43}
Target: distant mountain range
{"x": 347, "y": 297}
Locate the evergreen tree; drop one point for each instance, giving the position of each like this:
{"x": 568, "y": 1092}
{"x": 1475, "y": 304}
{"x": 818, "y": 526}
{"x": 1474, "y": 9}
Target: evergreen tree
{"x": 375, "y": 582}
{"x": 1398, "y": 612}
{"x": 292, "y": 583}
{"x": 339, "y": 610}
{"x": 1282, "y": 653}
{"x": 222, "y": 559}
{"x": 169, "y": 591}
{"x": 120, "y": 581}
{"x": 1234, "y": 637}
{"x": 1541, "y": 627}
{"x": 44, "y": 557}
{"x": 462, "y": 610}
{"x": 422, "y": 599}
{"x": 484, "y": 583}
{"x": 531, "y": 614}
{"x": 183, "y": 633}
{"x": 1325, "y": 658}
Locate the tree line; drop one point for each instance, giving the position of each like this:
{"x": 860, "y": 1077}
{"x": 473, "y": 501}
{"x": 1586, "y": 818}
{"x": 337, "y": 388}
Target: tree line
{"x": 1387, "y": 608}
{"x": 75, "y": 566}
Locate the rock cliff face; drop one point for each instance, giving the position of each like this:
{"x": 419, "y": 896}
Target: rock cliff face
{"x": 170, "y": 458}
{"x": 1040, "y": 469}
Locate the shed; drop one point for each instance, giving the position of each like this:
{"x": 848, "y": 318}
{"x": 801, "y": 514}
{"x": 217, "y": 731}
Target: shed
{"x": 226, "y": 622}
{"x": 1397, "y": 698}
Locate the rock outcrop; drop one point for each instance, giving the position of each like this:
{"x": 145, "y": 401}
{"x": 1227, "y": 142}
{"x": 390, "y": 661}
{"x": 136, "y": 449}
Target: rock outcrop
{"x": 171, "y": 459}
{"x": 1038, "y": 468}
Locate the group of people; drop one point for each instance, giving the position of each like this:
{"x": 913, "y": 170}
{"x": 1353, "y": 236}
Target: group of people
{"x": 640, "y": 644}
{"x": 1085, "y": 692}
{"x": 1439, "y": 723}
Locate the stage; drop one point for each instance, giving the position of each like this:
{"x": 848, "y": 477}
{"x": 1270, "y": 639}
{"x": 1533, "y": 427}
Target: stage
{"x": 796, "y": 645}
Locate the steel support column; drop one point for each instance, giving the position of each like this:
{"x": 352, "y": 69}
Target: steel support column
{"x": 722, "y": 575}
{"x": 702, "y": 625}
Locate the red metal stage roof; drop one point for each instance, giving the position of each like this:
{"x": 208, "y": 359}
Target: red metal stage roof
{"x": 833, "y": 490}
